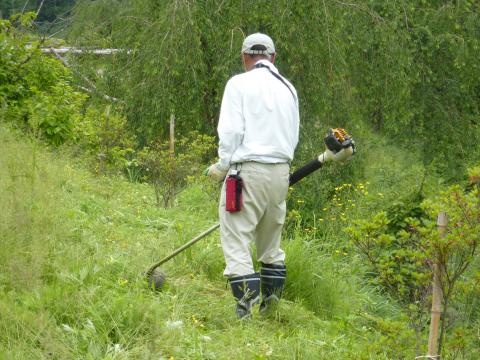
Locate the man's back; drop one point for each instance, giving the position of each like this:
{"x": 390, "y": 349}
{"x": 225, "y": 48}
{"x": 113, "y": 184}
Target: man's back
{"x": 264, "y": 110}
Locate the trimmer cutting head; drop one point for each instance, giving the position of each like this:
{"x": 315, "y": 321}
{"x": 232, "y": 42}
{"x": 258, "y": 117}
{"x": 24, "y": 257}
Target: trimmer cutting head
{"x": 156, "y": 279}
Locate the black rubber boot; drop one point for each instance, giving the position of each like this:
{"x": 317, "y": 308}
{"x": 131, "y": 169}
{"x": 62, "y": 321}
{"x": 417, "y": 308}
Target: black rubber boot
{"x": 246, "y": 290}
{"x": 273, "y": 281}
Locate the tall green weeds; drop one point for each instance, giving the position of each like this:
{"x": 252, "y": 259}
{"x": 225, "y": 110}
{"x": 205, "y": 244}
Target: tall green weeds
{"x": 74, "y": 250}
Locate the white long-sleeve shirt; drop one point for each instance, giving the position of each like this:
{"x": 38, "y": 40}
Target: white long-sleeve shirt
{"x": 259, "y": 119}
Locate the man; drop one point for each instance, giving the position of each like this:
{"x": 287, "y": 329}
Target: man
{"x": 258, "y": 132}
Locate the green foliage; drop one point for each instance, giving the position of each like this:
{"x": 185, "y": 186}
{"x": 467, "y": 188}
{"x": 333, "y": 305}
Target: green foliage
{"x": 402, "y": 246}
{"x": 104, "y": 135}
{"x": 168, "y": 170}
{"x": 454, "y": 249}
{"x": 407, "y": 70}
{"x": 403, "y": 77}
{"x": 474, "y": 176}
{"x": 457, "y": 248}
{"x": 35, "y": 90}
{"x": 74, "y": 247}
{"x": 397, "y": 259}
{"x": 320, "y": 290}
{"x": 48, "y": 13}
{"x": 397, "y": 339}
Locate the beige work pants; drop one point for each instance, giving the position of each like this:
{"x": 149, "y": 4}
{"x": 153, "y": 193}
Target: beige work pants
{"x": 260, "y": 220}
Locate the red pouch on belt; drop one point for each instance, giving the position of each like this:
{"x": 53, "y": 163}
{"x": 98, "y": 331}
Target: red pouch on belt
{"x": 233, "y": 188}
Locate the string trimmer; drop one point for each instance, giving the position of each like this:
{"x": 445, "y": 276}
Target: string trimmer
{"x": 335, "y": 141}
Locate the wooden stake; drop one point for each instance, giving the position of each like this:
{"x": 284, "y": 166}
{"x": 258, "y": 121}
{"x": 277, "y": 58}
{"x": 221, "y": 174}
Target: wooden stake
{"x": 172, "y": 134}
{"x": 171, "y": 192}
{"x": 442, "y": 221}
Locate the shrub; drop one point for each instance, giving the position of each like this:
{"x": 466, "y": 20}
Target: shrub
{"x": 35, "y": 90}
{"x": 104, "y": 134}
{"x": 168, "y": 171}
{"x": 400, "y": 247}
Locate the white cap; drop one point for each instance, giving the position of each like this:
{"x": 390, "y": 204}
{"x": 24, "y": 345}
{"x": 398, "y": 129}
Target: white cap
{"x": 258, "y": 39}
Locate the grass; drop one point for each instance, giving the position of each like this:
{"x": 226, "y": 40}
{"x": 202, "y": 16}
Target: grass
{"x": 74, "y": 249}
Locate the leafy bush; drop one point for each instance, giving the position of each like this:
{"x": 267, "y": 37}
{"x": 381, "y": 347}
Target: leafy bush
{"x": 168, "y": 171}
{"x": 397, "y": 261}
{"x": 35, "y": 90}
{"x": 402, "y": 245}
{"x": 456, "y": 249}
{"x": 104, "y": 135}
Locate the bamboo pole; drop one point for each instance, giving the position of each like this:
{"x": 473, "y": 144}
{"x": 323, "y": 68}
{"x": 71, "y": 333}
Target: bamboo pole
{"x": 442, "y": 221}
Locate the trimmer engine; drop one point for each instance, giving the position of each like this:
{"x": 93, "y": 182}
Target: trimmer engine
{"x": 338, "y": 139}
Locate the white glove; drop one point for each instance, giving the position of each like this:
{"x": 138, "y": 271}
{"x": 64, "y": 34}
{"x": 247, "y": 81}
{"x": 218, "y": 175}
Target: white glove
{"x": 216, "y": 173}
{"x": 341, "y": 156}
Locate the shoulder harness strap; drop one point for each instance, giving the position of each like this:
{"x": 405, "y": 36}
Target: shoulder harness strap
{"x": 260, "y": 65}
